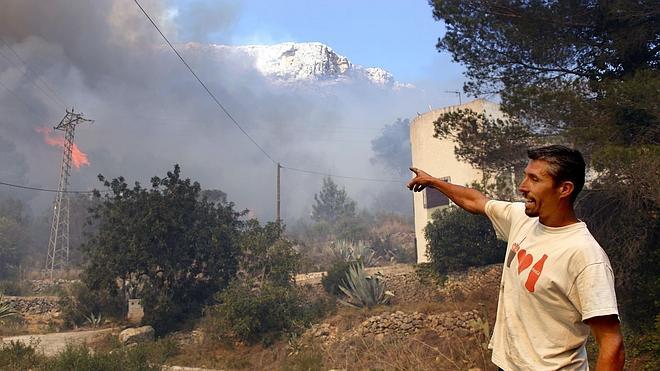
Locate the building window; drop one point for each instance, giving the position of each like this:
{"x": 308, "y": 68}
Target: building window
{"x": 434, "y": 198}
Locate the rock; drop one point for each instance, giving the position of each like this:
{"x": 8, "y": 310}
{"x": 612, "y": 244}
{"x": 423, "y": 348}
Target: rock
{"x": 137, "y": 335}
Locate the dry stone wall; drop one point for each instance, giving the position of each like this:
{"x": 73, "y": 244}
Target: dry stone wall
{"x": 400, "y": 324}
{"x": 33, "y": 304}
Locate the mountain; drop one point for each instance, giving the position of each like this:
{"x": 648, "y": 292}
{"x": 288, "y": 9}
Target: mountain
{"x": 295, "y": 63}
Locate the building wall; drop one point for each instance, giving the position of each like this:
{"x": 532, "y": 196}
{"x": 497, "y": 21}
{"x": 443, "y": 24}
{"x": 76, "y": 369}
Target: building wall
{"x": 437, "y": 158}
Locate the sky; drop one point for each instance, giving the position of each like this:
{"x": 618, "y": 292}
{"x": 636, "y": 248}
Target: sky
{"x": 105, "y": 59}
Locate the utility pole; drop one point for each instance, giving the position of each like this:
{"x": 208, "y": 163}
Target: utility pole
{"x": 456, "y": 92}
{"x": 58, "y": 243}
{"x": 278, "y": 216}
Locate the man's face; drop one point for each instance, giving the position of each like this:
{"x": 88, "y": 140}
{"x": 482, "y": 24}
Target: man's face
{"x": 538, "y": 188}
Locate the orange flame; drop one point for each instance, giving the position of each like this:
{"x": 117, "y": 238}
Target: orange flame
{"x": 78, "y": 157}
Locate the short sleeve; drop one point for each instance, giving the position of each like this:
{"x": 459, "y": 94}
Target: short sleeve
{"x": 501, "y": 214}
{"x": 593, "y": 291}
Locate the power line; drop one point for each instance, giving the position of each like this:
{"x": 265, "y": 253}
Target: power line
{"x": 217, "y": 102}
{"x": 345, "y": 176}
{"x": 46, "y": 189}
{"x": 52, "y": 95}
{"x": 204, "y": 85}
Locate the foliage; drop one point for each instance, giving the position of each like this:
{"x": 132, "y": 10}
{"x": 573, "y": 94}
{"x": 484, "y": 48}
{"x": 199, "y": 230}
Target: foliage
{"x": 629, "y": 236}
{"x": 18, "y": 356}
{"x": 392, "y": 147}
{"x": 6, "y": 311}
{"x": 363, "y": 290}
{"x": 496, "y": 146}
{"x": 336, "y": 276}
{"x": 332, "y": 203}
{"x": 535, "y": 42}
{"x": 458, "y": 239}
{"x": 15, "y": 288}
{"x": 391, "y": 251}
{"x": 266, "y": 255}
{"x": 587, "y": 73}
{"x": 78, "y": 301}
{"x": 181, "y": 247}
{"x": 94, "y": 320}
{"x": 13, "y": 236}
{"x": 349, "y": 251}
{"x": 250, "y": 313}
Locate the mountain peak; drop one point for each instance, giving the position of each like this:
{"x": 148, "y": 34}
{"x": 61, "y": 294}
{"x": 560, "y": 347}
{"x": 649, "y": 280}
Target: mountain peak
{"x": 292, "y": 62}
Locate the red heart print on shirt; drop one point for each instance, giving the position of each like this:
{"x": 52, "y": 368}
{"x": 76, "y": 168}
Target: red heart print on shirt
{"x": 524, "y": 260}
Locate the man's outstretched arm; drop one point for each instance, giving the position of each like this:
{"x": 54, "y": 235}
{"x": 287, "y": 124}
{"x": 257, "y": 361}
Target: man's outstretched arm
{"x": 467, "y": 198}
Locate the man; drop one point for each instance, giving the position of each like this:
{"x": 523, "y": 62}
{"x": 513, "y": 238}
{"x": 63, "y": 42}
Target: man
{"x": 557, "y": 282}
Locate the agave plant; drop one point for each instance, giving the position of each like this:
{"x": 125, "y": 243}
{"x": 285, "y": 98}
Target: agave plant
{"x": 94, "y": 320}
{"x": 6, "y": 311}
{"x": 354, "y": 251}
{"x": 363, "y": 290}
{"x": 364, "y": 254}
{"x": 342, "y": 250}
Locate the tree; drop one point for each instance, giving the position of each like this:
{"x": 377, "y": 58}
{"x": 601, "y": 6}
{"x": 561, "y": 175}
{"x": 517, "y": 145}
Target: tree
{"x": 392, "y": 147}
{"x": 13, "y": 236}
{"x": 266, "y": 256}
{"x": 332, "y": 203}
{"x": 495, "y": 146}
{"x": 587, "y": 73}
{"x": 175, "y": 246}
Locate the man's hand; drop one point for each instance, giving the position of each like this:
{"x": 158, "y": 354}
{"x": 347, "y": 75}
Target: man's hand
{"x": 469, "y": 199}
{"x": 420, "y": 181}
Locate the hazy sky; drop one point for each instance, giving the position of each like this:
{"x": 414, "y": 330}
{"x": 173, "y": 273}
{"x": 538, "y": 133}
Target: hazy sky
{"x": 106, "y": 60}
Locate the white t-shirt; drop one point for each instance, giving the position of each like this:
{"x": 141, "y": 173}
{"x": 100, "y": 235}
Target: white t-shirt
{"x": 553, "y": 279}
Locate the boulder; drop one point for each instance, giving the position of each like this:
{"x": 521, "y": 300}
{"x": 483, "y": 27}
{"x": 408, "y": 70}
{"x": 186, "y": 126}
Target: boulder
{"x": 137, "y": 335}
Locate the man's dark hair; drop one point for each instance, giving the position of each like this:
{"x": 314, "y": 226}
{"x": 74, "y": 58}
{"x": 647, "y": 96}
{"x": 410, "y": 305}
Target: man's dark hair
{"x": 566, "y": 164}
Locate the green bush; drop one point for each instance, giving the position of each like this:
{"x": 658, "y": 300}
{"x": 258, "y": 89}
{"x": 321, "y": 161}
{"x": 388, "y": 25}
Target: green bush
{"x": 458, "y": 240}
{"x": 336, "y": 276}
{"x": 250, "y": 313}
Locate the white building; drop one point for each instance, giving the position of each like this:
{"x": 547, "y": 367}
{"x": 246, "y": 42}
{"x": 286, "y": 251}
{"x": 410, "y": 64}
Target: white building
{"x": 437, "y": 158}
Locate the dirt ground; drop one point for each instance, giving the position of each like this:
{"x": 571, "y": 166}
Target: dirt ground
{"x": 51, "y": 344}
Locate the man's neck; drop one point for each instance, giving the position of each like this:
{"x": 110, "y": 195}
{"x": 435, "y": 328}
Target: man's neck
{"x": 561, "y": 217}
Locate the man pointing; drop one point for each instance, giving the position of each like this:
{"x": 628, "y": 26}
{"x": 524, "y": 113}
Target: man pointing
{"x": 557, "y": 282}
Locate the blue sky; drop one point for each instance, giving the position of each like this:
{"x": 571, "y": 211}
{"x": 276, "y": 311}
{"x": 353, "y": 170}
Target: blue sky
{"x": 397, "y": 35}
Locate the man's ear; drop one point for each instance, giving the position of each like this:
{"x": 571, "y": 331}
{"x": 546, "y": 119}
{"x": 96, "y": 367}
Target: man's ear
{"x": 566, "y": 189}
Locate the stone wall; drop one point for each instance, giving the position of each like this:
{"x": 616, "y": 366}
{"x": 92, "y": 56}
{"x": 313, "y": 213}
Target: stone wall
{"x": 401, "y": 324}
{"x": 33, "y": 304}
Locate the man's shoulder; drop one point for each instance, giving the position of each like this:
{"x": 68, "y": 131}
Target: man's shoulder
{"x": 498, "y": 207}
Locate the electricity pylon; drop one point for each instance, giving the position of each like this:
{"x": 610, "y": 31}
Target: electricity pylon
{"x": 58, "y": 243}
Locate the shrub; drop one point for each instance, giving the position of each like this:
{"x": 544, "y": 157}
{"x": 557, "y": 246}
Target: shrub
{"x": 249, "y": 313}
{"x": 15, "y": 288}
{"x": 363, "y": 290}
{"x": 78, "y": 302}
{"x": 458, "y": 240}
{"x": 18, "y": 356}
